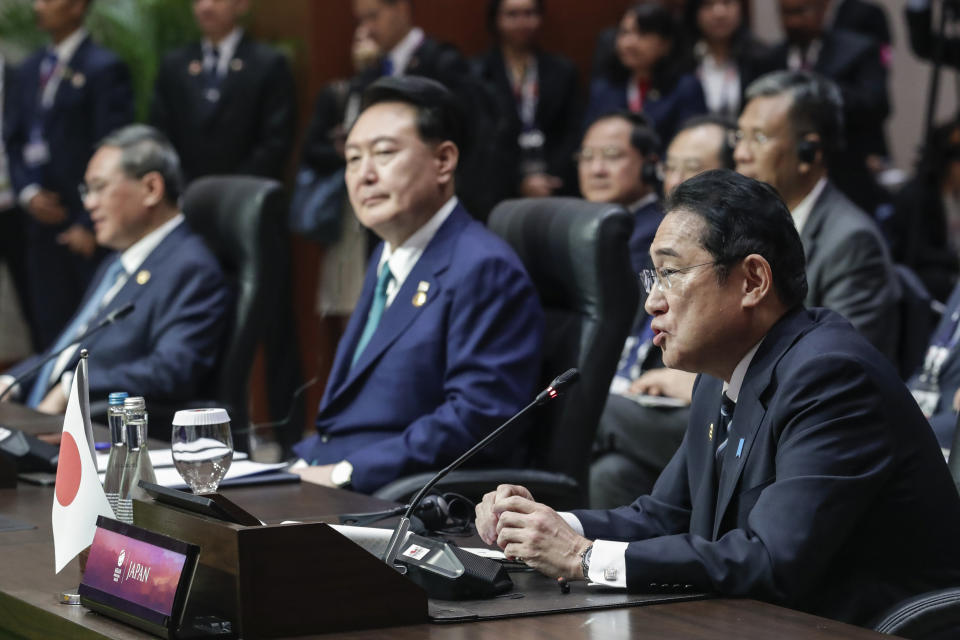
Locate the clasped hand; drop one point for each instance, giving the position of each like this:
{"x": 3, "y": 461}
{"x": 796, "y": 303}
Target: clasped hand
{"x": 530, "y": 531}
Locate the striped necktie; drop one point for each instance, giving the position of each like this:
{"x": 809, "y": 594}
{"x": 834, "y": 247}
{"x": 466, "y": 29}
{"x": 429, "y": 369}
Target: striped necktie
{"x": 727, "y": 407}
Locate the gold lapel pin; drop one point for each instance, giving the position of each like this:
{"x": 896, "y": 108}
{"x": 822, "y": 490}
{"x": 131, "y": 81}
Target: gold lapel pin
{"x": 143, "y": 276}
{"x": 195, "y": 68}
{"x": 420, "y": 298}
{"x": 78, "y": 80}
{"x": 236, "y": 64}
{"x": 710, "y": 432}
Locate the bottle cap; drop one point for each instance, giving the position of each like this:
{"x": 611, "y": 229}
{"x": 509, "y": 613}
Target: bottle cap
{"x": 136, "y": 402}
{"x": 117, "y": 397}
{"x": 193, "y": 417}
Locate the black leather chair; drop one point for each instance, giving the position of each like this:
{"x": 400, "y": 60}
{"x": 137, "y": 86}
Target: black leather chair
{"x": 576, "y": 254}
{"x": 240, "y": 218}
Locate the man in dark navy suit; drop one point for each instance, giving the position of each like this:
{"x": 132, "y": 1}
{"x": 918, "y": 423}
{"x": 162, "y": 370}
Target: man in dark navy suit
{"x": 69, "y": 95}
{"x": 167, "y": 347}
{"x": 444, "y": 343}
{"x": 807, "y": 477}
{"x": 227, "y": 103}
{"x": 618, "y": 161}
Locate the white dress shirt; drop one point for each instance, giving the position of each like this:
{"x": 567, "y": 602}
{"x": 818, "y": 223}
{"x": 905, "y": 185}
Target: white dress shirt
{"x": 608, "y": 561}
{"x": 400, "y": 55}
{"x": 225, "y": 50}
{"x": 720, "y": 82}
{"x": 801, "y": 212}
{"x": 404, "y": 258}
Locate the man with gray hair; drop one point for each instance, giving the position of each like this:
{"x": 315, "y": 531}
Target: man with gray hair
{"x": 166, "y": 348}
{"x": 788, "y": 132}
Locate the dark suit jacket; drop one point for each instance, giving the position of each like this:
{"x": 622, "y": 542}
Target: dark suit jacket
{"x": 667, "y": 110}
{"x": 646, "y": 220}
{"x": 94, "y": 100}
{"x": 167, "y": 347}
{"x": 557, "y": 114}
{"x": 867, "y": 18}
{"x": 249, "y": 131}
{"x": 849, "y": 269}
{"x": 435, "y": 378}
{"x": 839, "y": 503}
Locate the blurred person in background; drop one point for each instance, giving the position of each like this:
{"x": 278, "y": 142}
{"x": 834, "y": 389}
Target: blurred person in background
{"x": 539, "y": 93}
{"x": 647, "y": 74}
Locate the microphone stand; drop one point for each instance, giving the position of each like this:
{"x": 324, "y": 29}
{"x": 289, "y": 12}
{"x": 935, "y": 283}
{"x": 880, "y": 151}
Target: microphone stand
{"x": 110, "y": 319}
{"x": 400, "y": 532}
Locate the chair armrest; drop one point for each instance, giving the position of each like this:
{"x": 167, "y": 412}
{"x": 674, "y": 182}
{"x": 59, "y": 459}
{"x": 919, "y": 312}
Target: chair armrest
{"x": 553, "y": 489}
{"x": 931, "y": 615}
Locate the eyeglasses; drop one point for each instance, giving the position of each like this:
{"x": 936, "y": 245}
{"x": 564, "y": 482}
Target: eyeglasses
{"x": 661, "y": 277}
{"x": 607, "y": 154}
{"x": 754, "y": 139}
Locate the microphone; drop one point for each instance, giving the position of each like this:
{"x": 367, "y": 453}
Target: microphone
{"x": 436, "y": 579}
{"x": 111, "y": 317}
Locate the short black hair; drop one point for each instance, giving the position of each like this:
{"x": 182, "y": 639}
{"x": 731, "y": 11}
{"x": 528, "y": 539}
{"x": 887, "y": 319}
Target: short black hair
{"x": 493, "y": 8}
{"x": 817, "y": 105}
{"x": 643, "y": 137}
{"x": 743, "y": 216}
{"x": 143, "y": 150}
{"x": 439, "y": 115}
{"x": 729, "y": 134}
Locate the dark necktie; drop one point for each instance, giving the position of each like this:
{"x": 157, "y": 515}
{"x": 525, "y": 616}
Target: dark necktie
{"x": 727, "y": 407}
{"x": 211, "y": 85}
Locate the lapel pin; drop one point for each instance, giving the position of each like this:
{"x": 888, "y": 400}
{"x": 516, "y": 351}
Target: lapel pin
{"x": 419, "y": 299}
{"x": 143, "y": 276}
{"x": 654, "y": 94}
{"x": 236, "y": 64}
{"x": 740, "y": 448}
{"x": 78, "y": 80}
{"x": 424, "y": 286}
{"x": 195, "y": 68}
{"x": 710, "y": 432}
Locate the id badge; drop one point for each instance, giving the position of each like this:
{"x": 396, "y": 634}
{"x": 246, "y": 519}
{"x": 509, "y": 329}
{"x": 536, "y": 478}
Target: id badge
{"x": 36, "y": 153}
{"x": 927, "y": 400}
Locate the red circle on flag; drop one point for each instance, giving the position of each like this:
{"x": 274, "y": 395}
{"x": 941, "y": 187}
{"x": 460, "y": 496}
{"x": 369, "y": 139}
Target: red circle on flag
{"x": 68, "y": 470}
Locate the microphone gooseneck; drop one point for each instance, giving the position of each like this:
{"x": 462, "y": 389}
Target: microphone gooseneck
{"x": 553, "y": 390}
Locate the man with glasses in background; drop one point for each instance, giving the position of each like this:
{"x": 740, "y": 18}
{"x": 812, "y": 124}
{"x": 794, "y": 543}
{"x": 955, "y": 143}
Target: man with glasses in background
{"x": 808, "y": 476}
{"x": 788, "y": 133}
{"x": 166, "y": 349}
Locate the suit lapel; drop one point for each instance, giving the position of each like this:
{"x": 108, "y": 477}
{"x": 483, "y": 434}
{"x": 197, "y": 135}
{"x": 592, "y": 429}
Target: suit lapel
{"x": 344, "y": 356}
{"x": 818, "y": 215}
{"x": 402, "y": 312}
{"x": 701, "y": 445}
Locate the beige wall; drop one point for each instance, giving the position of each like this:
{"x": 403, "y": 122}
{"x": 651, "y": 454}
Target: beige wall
{"x": 909, "y": 80}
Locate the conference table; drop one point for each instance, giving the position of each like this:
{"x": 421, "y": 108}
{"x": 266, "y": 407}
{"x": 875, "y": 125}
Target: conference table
{"x": 29, "y": 586}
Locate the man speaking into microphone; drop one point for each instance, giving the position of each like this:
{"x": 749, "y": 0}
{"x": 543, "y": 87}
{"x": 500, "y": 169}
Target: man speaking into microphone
{"x": 166, "y": 348}
{"x": 807, "y": 476}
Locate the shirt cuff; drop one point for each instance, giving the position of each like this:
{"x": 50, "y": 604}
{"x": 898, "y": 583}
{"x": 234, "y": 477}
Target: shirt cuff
{"x": 608, "y": 563}
{"x": 572, "y": 520}
{"x": 7, "y": 380}
{"x": 27, "y": 193}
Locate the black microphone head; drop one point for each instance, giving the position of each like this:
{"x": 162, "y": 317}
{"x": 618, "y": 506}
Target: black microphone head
{"x": 568, "y": 377}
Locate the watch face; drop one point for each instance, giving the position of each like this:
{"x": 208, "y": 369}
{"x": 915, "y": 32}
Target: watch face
{"x": 341, "y": 473}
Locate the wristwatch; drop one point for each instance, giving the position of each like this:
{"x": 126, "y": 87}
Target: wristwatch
{"x": 585, "y": 561}
{"x": 341, "y": 474}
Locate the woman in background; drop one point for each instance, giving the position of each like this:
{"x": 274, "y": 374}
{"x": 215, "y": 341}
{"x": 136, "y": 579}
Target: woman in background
{"x": 538, "y": 92}
{"x": 648, "y": 73}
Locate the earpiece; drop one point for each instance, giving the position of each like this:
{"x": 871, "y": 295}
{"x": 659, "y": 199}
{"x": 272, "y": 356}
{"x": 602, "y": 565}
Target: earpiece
{"x": 807, "y": 150}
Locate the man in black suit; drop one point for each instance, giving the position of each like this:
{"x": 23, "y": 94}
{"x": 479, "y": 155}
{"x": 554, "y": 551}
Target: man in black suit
{"x": 70, "y": 94}
{"x": 482, "y": 178}
{"x": 854, "y": 62}
{"x": 226, "y": 103}
{"x": 807, "y": 477}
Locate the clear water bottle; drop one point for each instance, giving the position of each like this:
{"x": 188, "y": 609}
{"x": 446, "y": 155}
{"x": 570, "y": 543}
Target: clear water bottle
{"x": 118, "y": 448}
{"x": 137, "y": 466}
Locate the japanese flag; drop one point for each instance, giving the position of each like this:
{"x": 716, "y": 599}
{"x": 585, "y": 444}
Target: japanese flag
{"x": 78, "y": 498}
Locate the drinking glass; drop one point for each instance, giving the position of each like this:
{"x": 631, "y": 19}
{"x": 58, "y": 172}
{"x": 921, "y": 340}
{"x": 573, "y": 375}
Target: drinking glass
{"x": 202, "y": 448}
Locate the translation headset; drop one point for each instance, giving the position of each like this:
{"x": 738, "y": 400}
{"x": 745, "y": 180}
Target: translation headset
{"x": 441, "y": 513}
{"x": 807, "y": 150}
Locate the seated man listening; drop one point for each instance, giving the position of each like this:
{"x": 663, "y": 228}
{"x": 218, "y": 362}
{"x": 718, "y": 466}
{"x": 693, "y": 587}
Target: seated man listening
{"x": 807, "y": 477}
{"x": 444, "y": 344}
{"x": 167, "y": 347}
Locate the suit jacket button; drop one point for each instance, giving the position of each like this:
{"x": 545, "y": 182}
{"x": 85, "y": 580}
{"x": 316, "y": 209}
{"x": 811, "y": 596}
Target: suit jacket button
{"x": 324, "y": 438}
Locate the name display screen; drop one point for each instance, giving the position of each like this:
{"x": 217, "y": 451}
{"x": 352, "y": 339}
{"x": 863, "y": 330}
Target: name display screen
{"x": 137, "y": 572}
